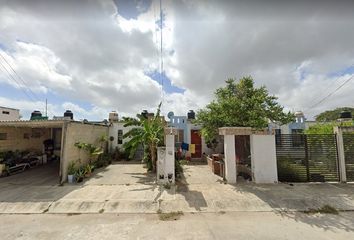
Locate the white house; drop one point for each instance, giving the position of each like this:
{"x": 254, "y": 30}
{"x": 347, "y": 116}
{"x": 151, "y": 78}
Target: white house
{"x": 9, "y": 114}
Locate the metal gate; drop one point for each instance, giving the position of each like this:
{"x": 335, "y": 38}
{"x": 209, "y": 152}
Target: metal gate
{"x": 307, "y": 157}
{"x": 348, "y": 141}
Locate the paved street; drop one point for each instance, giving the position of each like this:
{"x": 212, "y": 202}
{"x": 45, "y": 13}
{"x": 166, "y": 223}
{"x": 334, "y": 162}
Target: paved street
{"x": 122, "y": 201}
{"x": 235, "y": 225}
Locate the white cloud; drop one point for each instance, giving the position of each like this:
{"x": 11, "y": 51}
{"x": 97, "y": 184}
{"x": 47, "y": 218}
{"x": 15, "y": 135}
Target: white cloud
{"x": 85, "y": 52}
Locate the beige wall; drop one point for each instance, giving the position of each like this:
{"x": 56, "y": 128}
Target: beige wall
{"x": 78, "y": 132}
{"x": 16, "y": 141}
{"x": 9, "y": 114}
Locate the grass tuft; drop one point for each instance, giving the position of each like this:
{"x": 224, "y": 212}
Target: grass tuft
{"x": 325, "y": 209}
{"x": 169, "y": 216}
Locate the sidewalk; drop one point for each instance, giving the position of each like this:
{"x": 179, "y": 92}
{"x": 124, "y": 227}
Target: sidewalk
{"x": 128, "y": 189}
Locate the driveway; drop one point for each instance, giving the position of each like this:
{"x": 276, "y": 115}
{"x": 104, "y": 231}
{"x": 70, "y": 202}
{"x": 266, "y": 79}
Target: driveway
{"x": 125, "y": 187}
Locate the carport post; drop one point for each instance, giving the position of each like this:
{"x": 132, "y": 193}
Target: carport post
{"x": 230, "y": 158}
{"x": 341, "y": 157}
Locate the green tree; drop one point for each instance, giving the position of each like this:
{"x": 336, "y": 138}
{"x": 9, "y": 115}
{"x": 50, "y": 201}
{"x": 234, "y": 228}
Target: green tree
{"x": 148, "y": 132}
{"x": 332, "y": 115}
{"x": 240, "y": 105}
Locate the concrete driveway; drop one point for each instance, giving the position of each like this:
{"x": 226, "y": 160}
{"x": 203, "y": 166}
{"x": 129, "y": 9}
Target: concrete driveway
{"x": 125, "y": 187}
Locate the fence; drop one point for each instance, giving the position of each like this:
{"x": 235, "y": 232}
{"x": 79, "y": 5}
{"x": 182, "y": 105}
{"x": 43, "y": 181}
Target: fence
{"x": 307, "y": 157}
{"x": 348, "y": 142}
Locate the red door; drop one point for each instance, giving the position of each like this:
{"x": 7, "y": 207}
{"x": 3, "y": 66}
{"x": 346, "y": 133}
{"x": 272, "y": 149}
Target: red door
{"x": 197, "y": 140}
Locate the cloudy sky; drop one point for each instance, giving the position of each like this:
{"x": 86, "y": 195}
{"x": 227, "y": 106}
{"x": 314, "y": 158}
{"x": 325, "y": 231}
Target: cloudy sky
{"x": 96, "y": 56}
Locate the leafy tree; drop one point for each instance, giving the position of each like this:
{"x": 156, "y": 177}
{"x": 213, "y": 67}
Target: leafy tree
{"x": 240, "y": 105}
{"x": 332, "y": 115}
{"x": 326, "y": 128}
{"x": 148, "y": 132}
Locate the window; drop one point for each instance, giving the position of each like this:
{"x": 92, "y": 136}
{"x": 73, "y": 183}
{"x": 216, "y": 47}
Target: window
{"x": 120, "y": 136}
{"x": 3, "y": 136}
{"x": 6, "y": 112}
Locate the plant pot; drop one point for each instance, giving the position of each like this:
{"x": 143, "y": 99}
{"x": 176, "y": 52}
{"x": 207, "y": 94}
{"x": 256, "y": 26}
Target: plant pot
{"x": 79, "y": 179}
{"x": 71, "y": 178}
{"x": 2, "y": 168}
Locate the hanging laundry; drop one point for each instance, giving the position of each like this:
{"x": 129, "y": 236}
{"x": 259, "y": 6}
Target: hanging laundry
{"x": 192, "y": 148}
{"x": 185, "y": 146}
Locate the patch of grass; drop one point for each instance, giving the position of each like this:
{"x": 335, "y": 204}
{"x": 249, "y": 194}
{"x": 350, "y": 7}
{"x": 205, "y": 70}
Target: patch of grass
{"x": 72, "y": 214}
{"x": 325, "y": 209}
{"x": 101, "y": 210}
{"x": 169, "y": 216}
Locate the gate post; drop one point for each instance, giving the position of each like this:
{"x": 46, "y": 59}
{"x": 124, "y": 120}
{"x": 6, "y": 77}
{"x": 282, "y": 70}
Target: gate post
{"x": 340, "y": 151}
{"x": 230, "y": 158}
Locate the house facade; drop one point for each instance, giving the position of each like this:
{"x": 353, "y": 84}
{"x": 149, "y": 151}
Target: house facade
{"x": 9, "y": 114}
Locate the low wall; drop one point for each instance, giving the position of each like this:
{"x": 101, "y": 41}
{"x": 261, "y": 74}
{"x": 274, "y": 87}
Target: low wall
{"x": 78, "y": 132}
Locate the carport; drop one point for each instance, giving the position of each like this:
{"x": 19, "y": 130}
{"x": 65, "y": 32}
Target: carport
{"x": 30, "y": 135}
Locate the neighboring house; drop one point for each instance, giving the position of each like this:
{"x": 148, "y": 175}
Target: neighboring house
{"x": 30, "y": 136}
{"x": 9, "y": 114}
{"x": 189, "y": 133}
{"x": 116, "y": 132}
{"x": 299, "y": 125}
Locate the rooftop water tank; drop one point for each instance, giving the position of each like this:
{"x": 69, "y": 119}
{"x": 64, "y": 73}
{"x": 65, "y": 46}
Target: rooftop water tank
{"x": 69, "y": 114}
{"x": 113, "y": 116}
{"x": 345, "y": 115}
{"x": 144, "y": 113}
{"x": 36, "y": 115}
{"x": 191, "y": 114}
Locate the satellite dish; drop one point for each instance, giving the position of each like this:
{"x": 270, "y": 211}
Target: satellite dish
{"x": 170, "y": 115}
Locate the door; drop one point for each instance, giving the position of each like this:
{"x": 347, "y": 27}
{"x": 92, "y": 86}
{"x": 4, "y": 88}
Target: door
{"x": 197, "y": 140}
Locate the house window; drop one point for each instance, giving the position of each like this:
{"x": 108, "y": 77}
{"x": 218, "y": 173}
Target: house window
{"x": 3, "y": 136}
{"x": 120, "y": 136}
{"x": 6, "y": 112}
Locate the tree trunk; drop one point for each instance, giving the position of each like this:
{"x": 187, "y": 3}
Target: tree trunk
{"x": 153, "y": 158}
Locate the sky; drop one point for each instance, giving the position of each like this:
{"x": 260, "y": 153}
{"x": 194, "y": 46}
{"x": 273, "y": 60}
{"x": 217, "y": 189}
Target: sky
{"x": 93, "y": 57}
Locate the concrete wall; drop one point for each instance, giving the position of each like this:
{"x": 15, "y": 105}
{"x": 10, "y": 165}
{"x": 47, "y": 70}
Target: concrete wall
{"x": 263, "y": 159}
{"x": 113, "y": 131}
{"x": 78, "y": 132}
{"x": 9, "y": 114}
{"x": 16, "y": 138}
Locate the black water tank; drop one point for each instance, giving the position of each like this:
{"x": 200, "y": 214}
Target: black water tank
{"x": 191, "y": 114}
{"x": 36, "y": 114}
{"x": 345, "y": 115}
{"x": 69, "y": 113}
{"x": 144, "y": 113}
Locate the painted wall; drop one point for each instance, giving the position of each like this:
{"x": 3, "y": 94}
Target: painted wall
{"x": 263, "y": 159}
{"x": 113, "y": 131}
{"x": 78, "y": 132}
{"x": 9, "y": 114}
{"x": 24, "y": 138}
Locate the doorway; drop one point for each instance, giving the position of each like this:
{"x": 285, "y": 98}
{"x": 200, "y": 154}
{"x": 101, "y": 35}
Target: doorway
{"x": 196, "y": 139}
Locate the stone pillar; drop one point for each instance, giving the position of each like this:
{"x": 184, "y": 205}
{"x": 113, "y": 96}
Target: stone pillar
{"x": 230, "y": 158}
{"x": 263, "y": 159}
{"x": 341, "y": 156}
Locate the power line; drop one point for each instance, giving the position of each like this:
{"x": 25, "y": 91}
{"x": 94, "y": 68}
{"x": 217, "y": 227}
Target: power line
{"x": 35, "y": 97}
{"x": 333, "y": 92}
{"x": 20, "y": 78}
{"x": 17, "y": 83}
{"x": 161, "y": 56}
